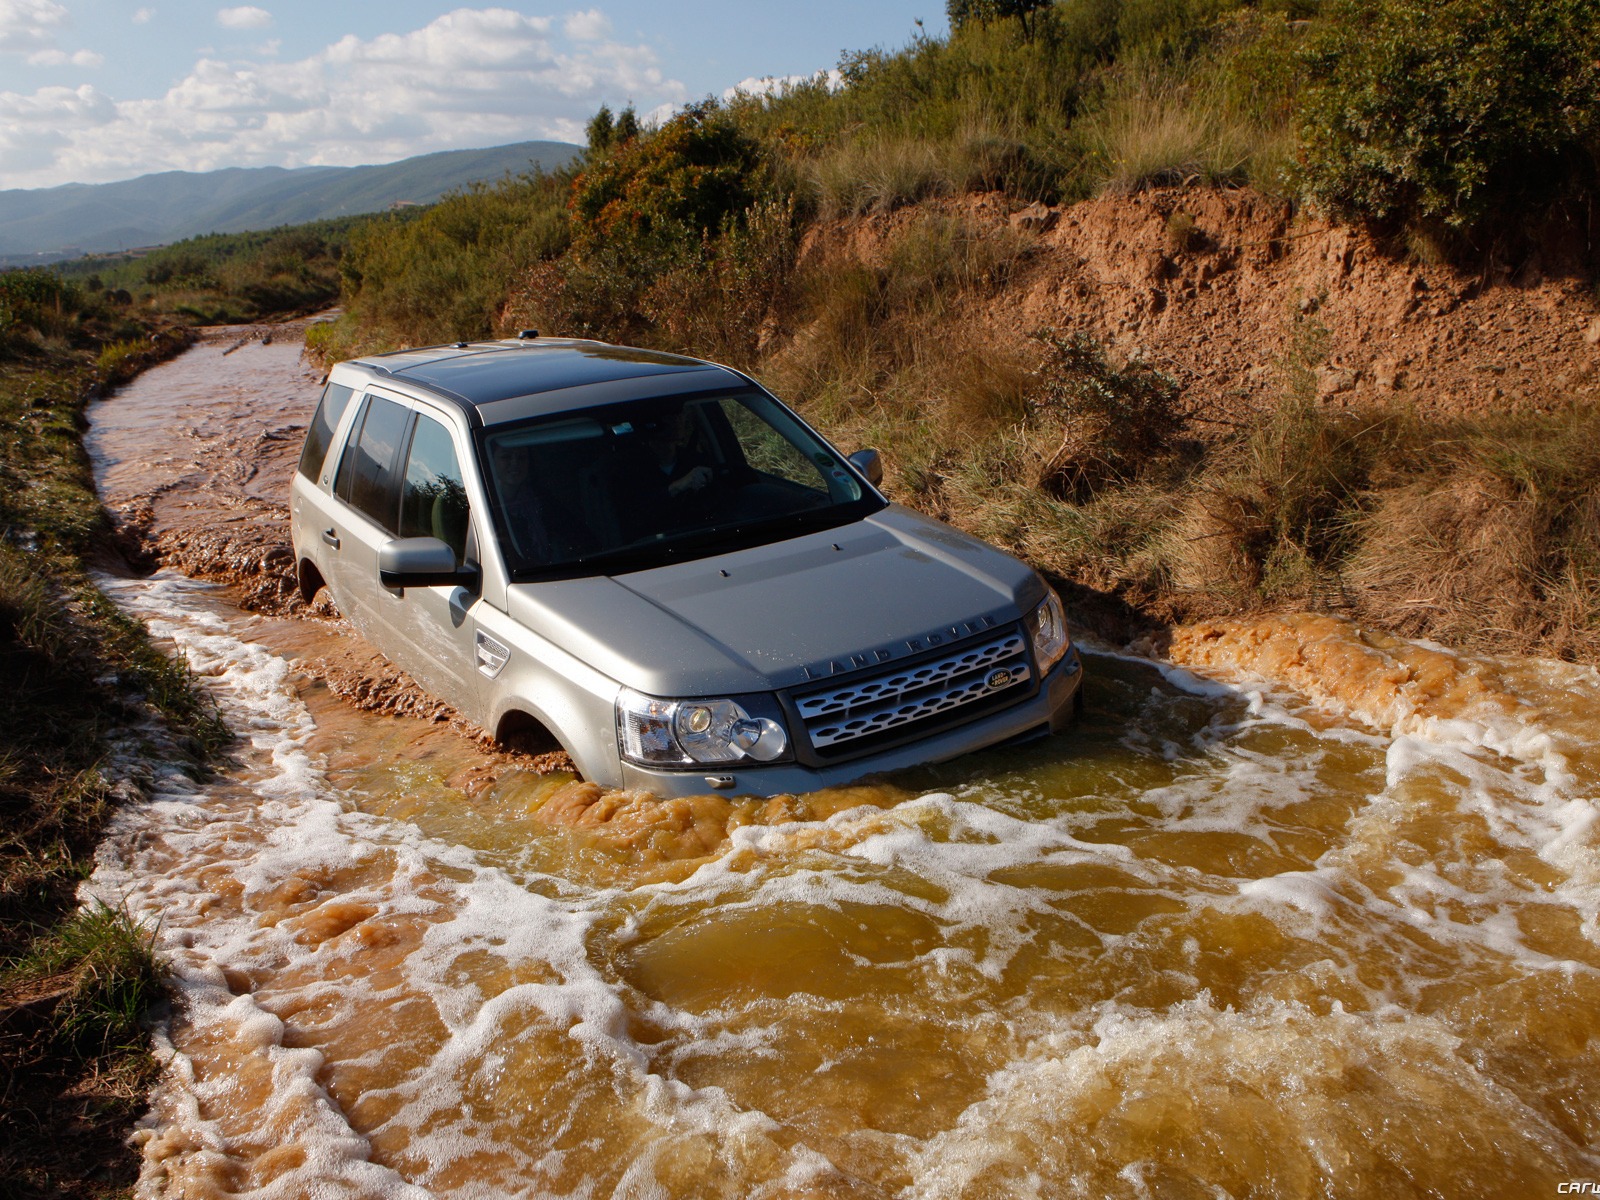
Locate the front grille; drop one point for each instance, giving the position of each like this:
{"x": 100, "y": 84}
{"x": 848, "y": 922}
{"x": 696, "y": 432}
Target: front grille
{"x": 912, "y": 699}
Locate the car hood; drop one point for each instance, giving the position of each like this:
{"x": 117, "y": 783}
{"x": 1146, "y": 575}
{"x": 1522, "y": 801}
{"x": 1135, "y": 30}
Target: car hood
{"x": 885, "y": 588}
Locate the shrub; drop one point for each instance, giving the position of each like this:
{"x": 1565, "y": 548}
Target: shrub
{"x": 446, "y": 273}
{"x": 1113, "y": 422}
{"x": 728, "y": 301}
{"x": 36, "y": 303}
{"x": 1446, "y": 109}
{"x": 685, "y": 181}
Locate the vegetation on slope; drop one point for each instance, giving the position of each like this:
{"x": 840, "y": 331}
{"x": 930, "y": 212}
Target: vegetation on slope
{"x": 1449, "y": 127}
{"x": 80, "y": 678}
{"x": 222, "y": 278}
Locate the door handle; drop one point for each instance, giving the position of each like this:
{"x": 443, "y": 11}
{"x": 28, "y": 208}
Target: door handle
{"x": 331, "y": 537}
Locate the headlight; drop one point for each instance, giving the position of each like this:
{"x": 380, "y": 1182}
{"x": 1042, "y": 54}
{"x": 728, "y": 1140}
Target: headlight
{"x": 1047, "y": 625}
{"x": 681, "y": 733}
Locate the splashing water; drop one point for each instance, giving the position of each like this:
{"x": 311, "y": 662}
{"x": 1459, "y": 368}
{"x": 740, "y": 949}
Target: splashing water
{"x": 1321, "y": 922}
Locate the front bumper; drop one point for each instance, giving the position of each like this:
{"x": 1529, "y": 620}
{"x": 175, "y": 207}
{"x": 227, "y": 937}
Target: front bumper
{"x": 1048, "y": 710}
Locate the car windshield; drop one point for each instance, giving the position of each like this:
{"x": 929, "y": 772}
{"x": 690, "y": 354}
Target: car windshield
{"x": 628, "y": 486}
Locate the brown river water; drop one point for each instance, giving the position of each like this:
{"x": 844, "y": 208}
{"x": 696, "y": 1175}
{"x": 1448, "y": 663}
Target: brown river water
{"x": 1295, "y": 911}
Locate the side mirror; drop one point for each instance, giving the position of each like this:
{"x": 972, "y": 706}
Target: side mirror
{"x": 420, "y": 562}
{"x": 870, "y": 464}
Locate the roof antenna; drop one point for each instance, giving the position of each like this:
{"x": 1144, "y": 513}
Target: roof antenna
{"x": 524, "y": 334}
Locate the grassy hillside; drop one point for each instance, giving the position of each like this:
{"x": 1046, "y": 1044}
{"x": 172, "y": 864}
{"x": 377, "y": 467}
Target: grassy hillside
{"x": 74, "y": 983}
{"x": 174, "y": 205}
{"x": 1455, "y": 131}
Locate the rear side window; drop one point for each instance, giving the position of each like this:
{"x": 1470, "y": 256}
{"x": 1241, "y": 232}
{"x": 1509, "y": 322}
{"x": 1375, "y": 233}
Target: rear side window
{"x": 335, "y": 399}
{"x": 433, "y": 499}
{"x": 367, "y": 480}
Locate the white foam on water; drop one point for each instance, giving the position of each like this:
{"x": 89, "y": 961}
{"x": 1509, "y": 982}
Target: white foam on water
{"x": 260, "y": 881}
{"x": 1138, "y": 1095}
{"x": 278, "y": 821}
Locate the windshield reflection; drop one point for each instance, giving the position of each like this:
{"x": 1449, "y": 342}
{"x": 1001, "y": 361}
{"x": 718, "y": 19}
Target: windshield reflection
{"x": 633, "y": 485}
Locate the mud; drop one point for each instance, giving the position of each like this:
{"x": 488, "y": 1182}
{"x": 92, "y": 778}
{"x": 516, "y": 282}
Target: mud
{"x": 196, "y": 475}
{"x": 1221, "y": 311}
{"x": 1295, "y": 911}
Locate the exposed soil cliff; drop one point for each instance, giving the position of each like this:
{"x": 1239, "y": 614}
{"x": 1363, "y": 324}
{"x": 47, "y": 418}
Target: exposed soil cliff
{"x": 1207, "y": 285}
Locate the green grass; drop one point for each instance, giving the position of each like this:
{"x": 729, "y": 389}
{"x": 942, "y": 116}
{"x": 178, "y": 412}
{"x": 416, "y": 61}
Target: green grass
{"x": 80, "y": 675}
{"x": 105, "y": 963}
{"x": 222, "y": 278}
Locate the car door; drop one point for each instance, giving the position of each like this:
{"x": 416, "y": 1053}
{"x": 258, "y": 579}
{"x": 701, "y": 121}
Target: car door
{"x": 438, "y": 622}
{"x": 367, "y": 512}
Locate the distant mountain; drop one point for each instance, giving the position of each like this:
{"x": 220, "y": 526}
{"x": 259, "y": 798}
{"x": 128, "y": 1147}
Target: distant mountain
{"x": 62, "y": 222}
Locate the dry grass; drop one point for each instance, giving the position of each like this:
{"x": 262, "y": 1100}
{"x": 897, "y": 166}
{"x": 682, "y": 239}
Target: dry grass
{"x": 1494, "y": 539}
{"x": 876, "y": 174}
{"x": 1476, "y": 532}
{"x": 1156, "y": 132}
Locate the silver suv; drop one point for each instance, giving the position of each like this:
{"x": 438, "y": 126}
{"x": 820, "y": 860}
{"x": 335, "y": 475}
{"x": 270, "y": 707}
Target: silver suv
{"x": 650, "y": 562}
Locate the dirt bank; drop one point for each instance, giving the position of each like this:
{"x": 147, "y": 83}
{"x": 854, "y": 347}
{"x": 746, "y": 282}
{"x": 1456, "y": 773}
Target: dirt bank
{"x": 1208, "y": 285}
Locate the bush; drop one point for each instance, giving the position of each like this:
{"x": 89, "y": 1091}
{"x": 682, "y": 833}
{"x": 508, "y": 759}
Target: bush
{"x": 35, "y": 302}
{"x": 726, "y": 303}
{"x": 1448, "y": 109}
{"x": 445, "y": 274}
{"x": 680, "y": 184}
{"x": 1114, "y": 423}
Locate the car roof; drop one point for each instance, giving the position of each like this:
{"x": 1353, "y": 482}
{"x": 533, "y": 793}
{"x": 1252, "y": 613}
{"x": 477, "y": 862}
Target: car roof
{"x": 533, "y": 376}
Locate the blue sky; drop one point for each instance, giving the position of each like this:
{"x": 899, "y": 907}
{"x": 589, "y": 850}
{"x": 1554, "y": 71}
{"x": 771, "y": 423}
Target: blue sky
{"x": 92, "y": 91}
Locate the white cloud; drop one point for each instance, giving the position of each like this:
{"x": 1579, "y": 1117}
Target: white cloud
{"x": 28, "y": 26}
{"x": 60, "y": 58}
{"x": 591, "y": 25}
{"x": 776, "y": 85}
{"x": 141, "y": 16}
{"x": 472, "y": 77}
{"x": 244, "y": 17}
{"x": 36, "y": 129}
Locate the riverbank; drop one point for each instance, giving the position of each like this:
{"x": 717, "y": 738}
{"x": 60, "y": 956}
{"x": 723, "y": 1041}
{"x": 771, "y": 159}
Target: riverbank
{"x": 404, "y": 965}
{"x": 85, "y": 692}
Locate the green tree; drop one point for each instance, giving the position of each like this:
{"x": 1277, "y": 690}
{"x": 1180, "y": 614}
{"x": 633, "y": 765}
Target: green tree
{"x": 1448, "y": 109}
{"x": 627, "y": 126}
{"x": 984, "y": 11}
{"x": 602, "y": 130}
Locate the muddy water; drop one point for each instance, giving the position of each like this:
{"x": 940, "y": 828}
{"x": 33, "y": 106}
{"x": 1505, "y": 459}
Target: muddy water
{"x": 1299, "y": 912}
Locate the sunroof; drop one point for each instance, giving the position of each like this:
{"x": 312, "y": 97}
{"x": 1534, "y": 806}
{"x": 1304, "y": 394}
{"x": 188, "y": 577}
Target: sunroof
{"x": 501, "y": 373}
